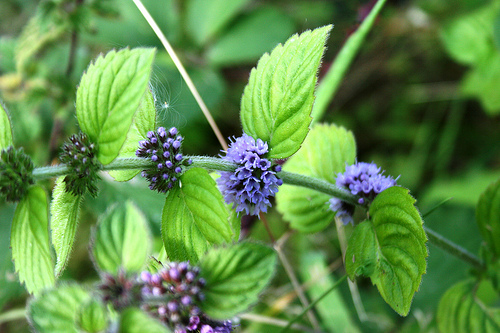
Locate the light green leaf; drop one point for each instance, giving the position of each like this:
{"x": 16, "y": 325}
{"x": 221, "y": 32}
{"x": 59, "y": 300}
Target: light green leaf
{"x": 5, "y": 128}
{"x": 122, "y": 239}
{"x": 56, "y": 310}
{"x": 205, "y": 18}
{"x": 323, "y": 155}
{"x": 144, "y": 121}
{"x": 488, "y": 217}
{"x": 29, "y": 241}
{"x": 194, "y": 217}
{"x": 133, "y": 320}
{"x": 64, "y": 211}
{"x": 93, "y": 317}
{"x": 235, "y": 277}
{"x": 108, "y": 96}
{"x": 462, "y": 311}
{"x": 250, "y": 37}
{"x": 277, "y": 101}
{"x": 390, "y": 248}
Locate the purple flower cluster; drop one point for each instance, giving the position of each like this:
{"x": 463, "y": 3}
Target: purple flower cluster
{"x": 181, "y": 288}
{"x": 121, "y": 291}
{"x": 365, "y": 180}
{"x": 164, "y": 149}
{"x": 254, "y": 180}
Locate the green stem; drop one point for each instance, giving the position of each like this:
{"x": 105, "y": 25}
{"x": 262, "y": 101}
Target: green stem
{"x": 453, "y": 249}
{"x": 11, "y": 315}
{"x": 335, "y": 285}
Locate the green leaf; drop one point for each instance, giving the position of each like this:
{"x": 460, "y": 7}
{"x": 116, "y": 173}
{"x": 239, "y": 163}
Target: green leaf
{"x": 133, "y": 320}
{"x": 144, "y": 121}
{"x": 250, "y": 37}
{"x": 235, "y": 276}
{"x": 194, "y": 217}
{"x": 108, "y": 96}
{"x": 64, "y": 211}
{"x": 323, "y": 155}
{"x": 277, "y": 101}
{"x": 462, "y": 311}
{"x": 122, "y": 239}
{"x": 29, "y": 241}
{"x": 205, "y": 18}
{"x": 93, "y": 317}
{"x": 57, "y": 310}
{"x": 488, "y": 217}
{"x": 331, "y": 82}
{"x": 5, "y": 128}
{"x": 390, "y": 248}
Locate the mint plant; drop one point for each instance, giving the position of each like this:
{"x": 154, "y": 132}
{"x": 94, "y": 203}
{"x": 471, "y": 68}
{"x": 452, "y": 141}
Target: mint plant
{"x": 204, "y": 276}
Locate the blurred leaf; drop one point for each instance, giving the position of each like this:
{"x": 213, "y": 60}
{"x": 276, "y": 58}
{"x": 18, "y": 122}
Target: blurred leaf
{"x": 122, "y": 239}
{"x": 108, "y": 96}
{"x": 235, "y": 276}
{"x": 460, "y": 310}
{"x": 277, "y": 101}
{"x": 64, "y": 211}
{"x": 56, "y": 310}
{"x": 93, "y": 317}
{"x": 30, "y": 242}
{"x": 143, "y": 121}
{"x": 324, "y": 154}
{"x": 205, "y": 18}
{"x": 333, "y": 311}
{"x": 194, "y": 217}
{"x": 133, "y": 320}
{"x": 488, "y": 217}
{"x": 250, "y": 37}
{"x": 390, "y": 248}
{"x": 5, "y": 128}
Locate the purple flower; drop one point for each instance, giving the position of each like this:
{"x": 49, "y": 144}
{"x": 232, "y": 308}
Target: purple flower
{"x": 254, "y": 180}
{"x": 365, "y": 180}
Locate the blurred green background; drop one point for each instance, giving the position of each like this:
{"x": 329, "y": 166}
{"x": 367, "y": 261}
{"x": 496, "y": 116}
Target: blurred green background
{"x": 422, "y": 99}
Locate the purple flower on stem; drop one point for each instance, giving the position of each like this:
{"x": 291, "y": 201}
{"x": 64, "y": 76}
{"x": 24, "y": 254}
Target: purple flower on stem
{"x": 365, "y": 180}
{"x": 254, "y": 180}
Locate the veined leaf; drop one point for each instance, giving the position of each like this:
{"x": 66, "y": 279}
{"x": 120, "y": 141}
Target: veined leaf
{"x": 235, "y": 276}
{"x": 109, "y": 95}
{"x": 64, "y": 211}
{"x": 323, "y": 155}
{"x": 488, "y": 217}
{"x": 390, "y": 248}
{"x": 5, "y": 128}
{"x": 194, "y": 217}
{"x": 29, "y": 241}
{"x": 144, "y": 121}
{"x": 133, "y": 320}
{"x": 122, "y": 239}
{"x": 56, "y": 310}
{"x": 278, "y": 99}
{"x": 93, "y": 316}
{"x": 462, "y": 311}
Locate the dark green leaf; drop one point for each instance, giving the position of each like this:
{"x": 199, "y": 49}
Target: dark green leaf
{"x": 278, "y": 99}
{"x": 64, "y": 211}
{"x": 323, "y": 155}
{"x": 5, "y": 128}
{"x": 93, "y": 317}
{"x": 57, "y": 310}
{"x": 133, "y": 320}
{"x": 122, "y": 239}
{"x": 109, "y": 95}
{"x": 488, "y": 217}
{"x": 194, "y": 217}
{"x": 390, "y": 248}
{"x": 235, "y": 276}
{"x": 29, "y": 241}
{"x": 461, "y": 310}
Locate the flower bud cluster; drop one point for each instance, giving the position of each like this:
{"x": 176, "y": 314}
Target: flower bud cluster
{"x": 365, "y": 180}
{"x": 121, "y": 291}
{"x": 179, "y": 290}
{"x": 16, "y": 174}
{"x": 79, "y": 154}
{"x": 254, "y": 181}
{"x": 163, "y": 148}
